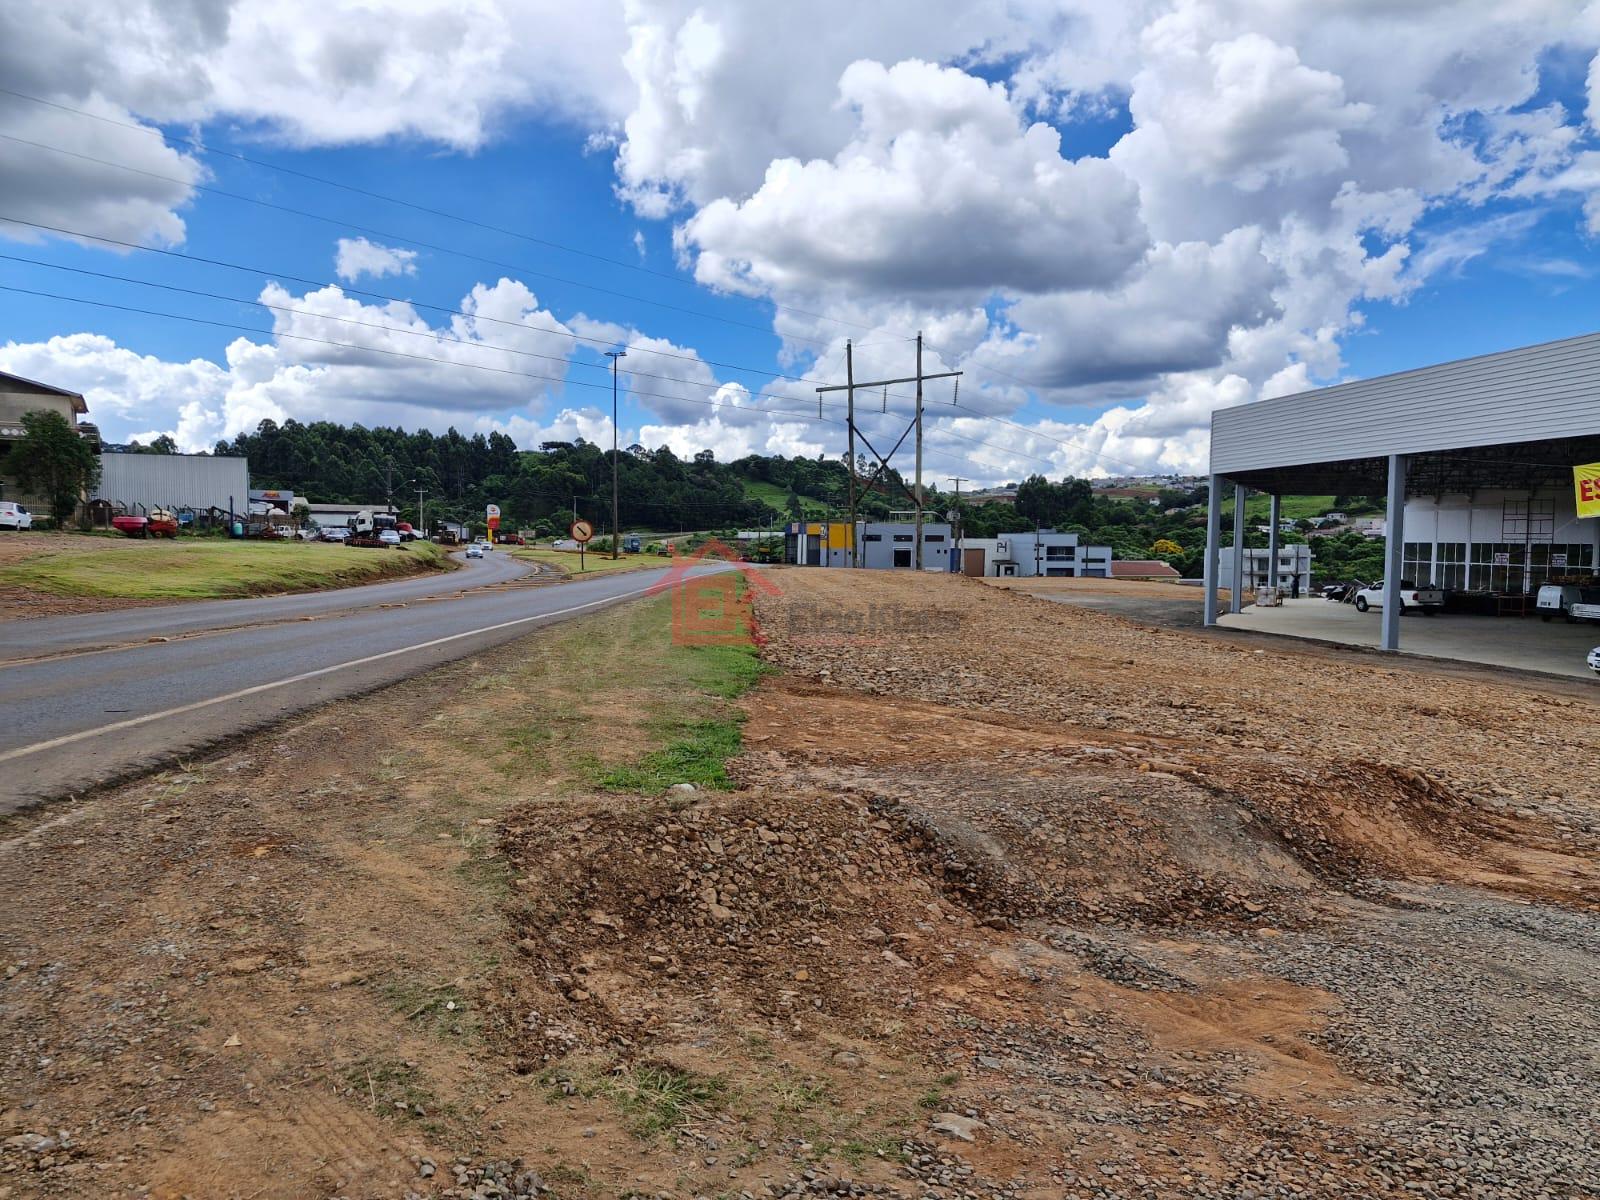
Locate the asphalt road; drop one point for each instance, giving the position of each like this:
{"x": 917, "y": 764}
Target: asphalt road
{"x": 48, "y": 635}
{"x": 71, "y": 721}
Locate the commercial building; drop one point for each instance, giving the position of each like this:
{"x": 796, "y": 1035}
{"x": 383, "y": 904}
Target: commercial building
{"x": 892, "y": 545}
{"x": 879, "y": 545}
{"x": 1023, "y": 555}
{"x": 1475, "y": 459}
{"x": 197, "y": 483}
{"x": 1293, "y": 572}
{"x": 19, "y": 396}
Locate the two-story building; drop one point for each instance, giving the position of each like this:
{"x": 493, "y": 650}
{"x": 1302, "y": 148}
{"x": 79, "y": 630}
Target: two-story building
{"x": 19, "y": 396}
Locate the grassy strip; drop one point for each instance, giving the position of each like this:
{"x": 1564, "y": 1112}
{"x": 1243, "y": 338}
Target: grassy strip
{"x": 210, "y": 569}
{"x": 592, "y": 562}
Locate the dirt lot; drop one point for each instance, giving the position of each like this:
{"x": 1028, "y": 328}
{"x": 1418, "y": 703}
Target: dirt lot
{"x": 1009, "y": 899}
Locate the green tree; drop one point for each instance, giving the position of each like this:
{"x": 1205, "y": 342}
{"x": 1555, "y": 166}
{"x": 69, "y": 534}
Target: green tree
{"x": 54, "y": 462}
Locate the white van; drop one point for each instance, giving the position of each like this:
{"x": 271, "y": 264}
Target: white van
{"x": 14, "y": 516}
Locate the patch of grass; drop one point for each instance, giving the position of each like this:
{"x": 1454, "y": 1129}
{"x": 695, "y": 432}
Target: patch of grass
{"x": 656, "y": 1098}
{"x": 439, "y": 1008}
{"x": 660, "y": 1099}
{"x": 592, "y": 562}
{"x": 699, "y": 755}
{"x": 395, "y": 1089}
{"x": 209, "y": 569}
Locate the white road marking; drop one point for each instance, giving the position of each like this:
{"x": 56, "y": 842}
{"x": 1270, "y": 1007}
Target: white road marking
{"x": 134, "y": 722}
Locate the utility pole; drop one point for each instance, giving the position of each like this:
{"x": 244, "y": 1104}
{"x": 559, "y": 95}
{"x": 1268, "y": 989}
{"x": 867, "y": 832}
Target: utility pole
{"x": 961, "y": 566}
{"x": 422, "y": 526}
{"x": 915, "y": 494}
{"x": 917, "y": 559}
{"x": 850, "y": 462}
{"x": 616, "y": 543}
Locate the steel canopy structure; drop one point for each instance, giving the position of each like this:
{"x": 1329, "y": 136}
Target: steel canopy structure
{"x": 1516, "y": 420}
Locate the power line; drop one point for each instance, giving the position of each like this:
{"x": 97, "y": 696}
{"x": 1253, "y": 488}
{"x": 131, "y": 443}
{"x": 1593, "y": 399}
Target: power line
{"x": 352, "y": 290}
{"x": 201, "y": 146}
{"x": 433, "y": 335}
{"x": 306, "y": 312}
{"x": 500, "y": 264}
{"x": 300, "y": 337}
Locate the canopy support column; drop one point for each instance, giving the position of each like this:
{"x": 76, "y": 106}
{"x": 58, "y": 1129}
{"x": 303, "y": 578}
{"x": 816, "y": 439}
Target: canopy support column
{"x": 1213, "y": 548}
{"x": 1394, "y": 533}
{"x": 1272, "y": 541}
{"x": 1236, "y": 593}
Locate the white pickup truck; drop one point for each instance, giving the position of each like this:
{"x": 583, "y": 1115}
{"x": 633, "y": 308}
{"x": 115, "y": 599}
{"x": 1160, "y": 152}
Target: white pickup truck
{"x": 1428, "y": 600}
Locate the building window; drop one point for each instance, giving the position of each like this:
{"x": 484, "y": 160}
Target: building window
{"x": 1061, "y": 552}
{"x": 929, "y": 538}
{"x": 1560, "y": 560}
{"x": 902, "y": 537}
{"x": 1417, "y": 564}
{"x": 1450, "y": 565}
{"x": 1496, "y": 567}
{"x": 872, "y": 537}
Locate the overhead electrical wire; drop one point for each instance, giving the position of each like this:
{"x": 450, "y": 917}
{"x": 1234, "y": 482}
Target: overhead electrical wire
{"x": 204, "y": 148}
{"x": 806, "y": 416}
{"x": 434, "y": 336}
{"x": 197, "y": 144}
{"x": 406, "y": 240}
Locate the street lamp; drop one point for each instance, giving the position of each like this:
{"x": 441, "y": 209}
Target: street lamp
{"x": 616, "y": 545}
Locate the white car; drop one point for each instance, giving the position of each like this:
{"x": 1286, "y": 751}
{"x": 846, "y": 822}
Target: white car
{"x": 389, "y": 537}
{"x": 1594, "y": 660}
{"x": 14, "y": 516}
{"x": 1428, "y": 600}
{"x": 485, "y": 544}
{"x": 474, "y": 551}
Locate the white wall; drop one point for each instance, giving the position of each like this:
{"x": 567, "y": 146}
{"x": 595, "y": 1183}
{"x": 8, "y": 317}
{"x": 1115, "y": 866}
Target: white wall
{"x": 1480, "y": 520}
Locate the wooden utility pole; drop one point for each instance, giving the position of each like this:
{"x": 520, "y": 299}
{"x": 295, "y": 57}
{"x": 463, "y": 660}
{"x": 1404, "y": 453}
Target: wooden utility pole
{"x": 850, "y": 463}
{"x": 917, "y": 557}
{"x": 849, "y": 388}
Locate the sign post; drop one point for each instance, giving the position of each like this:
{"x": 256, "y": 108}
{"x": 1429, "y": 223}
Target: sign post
{"x": 581, "y": 532}
{"x": 492, "y": 512}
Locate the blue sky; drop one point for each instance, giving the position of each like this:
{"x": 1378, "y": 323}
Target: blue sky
{"x": 1114, "y": 218}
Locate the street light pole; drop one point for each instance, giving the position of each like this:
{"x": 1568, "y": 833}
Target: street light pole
{"x": 616, "y": 544}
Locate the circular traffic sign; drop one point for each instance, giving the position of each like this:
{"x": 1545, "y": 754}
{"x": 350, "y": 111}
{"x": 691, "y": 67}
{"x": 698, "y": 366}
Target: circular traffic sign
{"x": 581, "y": 531}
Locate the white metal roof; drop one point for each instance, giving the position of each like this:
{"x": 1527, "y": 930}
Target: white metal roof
{"x": 1531, "y": 394}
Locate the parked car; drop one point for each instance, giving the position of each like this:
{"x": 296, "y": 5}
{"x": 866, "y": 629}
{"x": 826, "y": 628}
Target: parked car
{"x": 336, "y": 533}
{"x": 474, "y": 551}
{"x": 389, "y": 537}
{"x": 14, "y": 516}
{"x": 1594, "y": 660}
{"x": 1428, "y": 600}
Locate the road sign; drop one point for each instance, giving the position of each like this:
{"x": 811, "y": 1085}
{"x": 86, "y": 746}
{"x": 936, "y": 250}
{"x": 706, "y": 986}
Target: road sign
{"x": 492, "y": 510}
{"x": 952, "y": 516}
{"x": 581, "y": 531}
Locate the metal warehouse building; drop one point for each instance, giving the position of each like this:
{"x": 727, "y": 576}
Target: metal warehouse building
{"x": 140, "y": 482}
{"x": 1475, "y": 458}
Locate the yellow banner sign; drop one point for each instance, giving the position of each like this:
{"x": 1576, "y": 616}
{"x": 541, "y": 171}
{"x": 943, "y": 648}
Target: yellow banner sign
{"x": 1586, "y": 483}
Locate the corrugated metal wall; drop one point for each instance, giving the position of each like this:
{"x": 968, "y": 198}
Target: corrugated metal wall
{"x": 174, "y": 481}
{"x": 1526, "y": 395}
